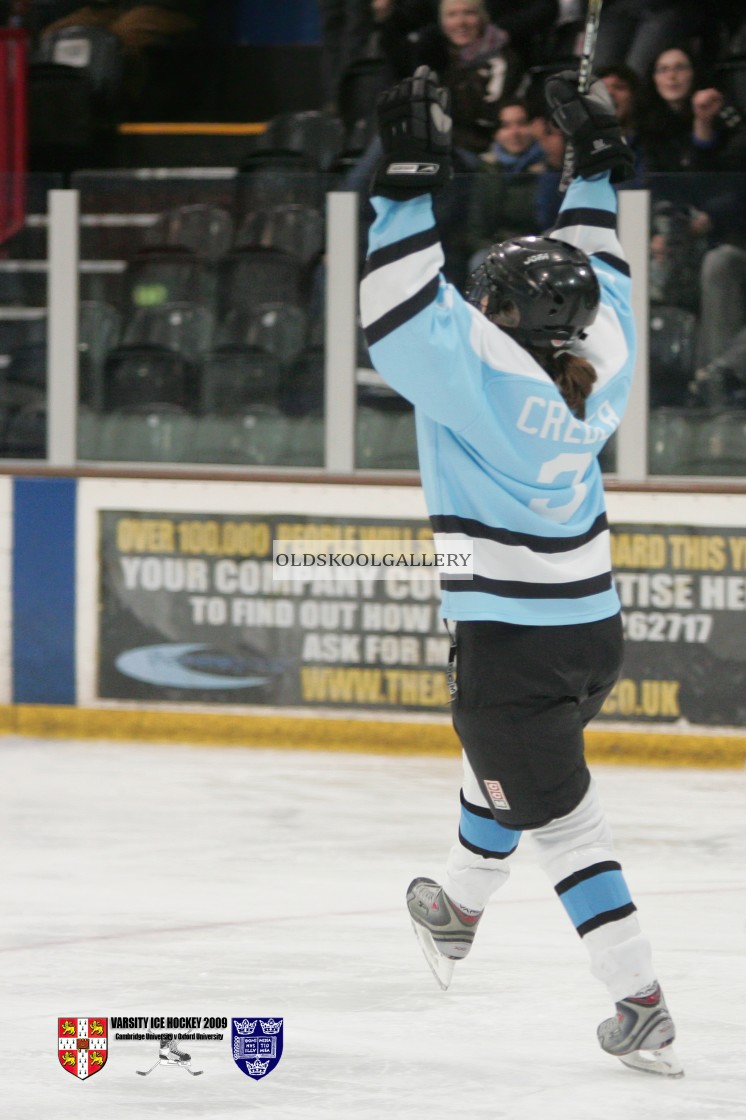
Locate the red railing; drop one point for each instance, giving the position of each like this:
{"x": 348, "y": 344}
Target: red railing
{"x": 12, "y": 131}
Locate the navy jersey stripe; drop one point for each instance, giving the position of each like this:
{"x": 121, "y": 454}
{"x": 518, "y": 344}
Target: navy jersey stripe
{"x": 451, "y": 523}
{"x": 402, "y": 313}
{"x": 585, "y": 216}
{"x": 616, "y": 262}
{"x": 607, "y": 916}
{"x": 400, "y": 249}
{"x": 517, "y": 589}
{"x": 586, "y": 873}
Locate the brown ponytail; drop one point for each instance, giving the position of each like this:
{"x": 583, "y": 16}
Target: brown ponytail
{"x": 574, "y": 377}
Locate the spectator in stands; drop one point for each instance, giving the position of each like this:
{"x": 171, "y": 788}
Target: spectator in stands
{"x": 138, "y": 25}
{"x": 551, "y": 139}
{"x": 504, "y": 193}
{"x": 153, "y": 80}
{"x": 526, "y": 25}
{"x": 472, "y": 59}
{"x": 624, "y": 89}
{"x": 398, "y": 25}
{"x": 686, "y": 128}
{"x": 409, "y": 35}
{"x": 637, "y": 31}
{"x": 513, "y": 147}
{"x": 346, "y": 27}
{"x": 466, "y": 50}
{"x": 720, "y": 351}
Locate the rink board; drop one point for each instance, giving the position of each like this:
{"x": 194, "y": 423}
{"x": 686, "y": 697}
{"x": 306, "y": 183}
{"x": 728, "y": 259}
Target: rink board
{"x": 102, "y": 574}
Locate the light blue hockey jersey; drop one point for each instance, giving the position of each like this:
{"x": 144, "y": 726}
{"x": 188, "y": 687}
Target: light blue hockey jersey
{"x": 503, "y": 460}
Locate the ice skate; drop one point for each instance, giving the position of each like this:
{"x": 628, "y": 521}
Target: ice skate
{"x": 641, "y": 1033}
{"x": 170, "y": 1055}
{"x": 444, "y": 930}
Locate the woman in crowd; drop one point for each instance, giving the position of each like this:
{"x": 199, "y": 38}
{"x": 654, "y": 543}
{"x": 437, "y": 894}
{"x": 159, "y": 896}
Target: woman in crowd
{"x": 683, "y": 129}
{"x": 480, "y": 74}
{"x": 686, "y": 128}
{"x": 476, "y": 66}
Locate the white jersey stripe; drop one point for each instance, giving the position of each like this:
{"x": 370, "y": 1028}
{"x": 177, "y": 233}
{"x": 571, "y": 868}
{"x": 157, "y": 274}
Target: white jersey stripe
{"x": 605, "y": 347}
{"x": 391, "y": 284}
{"x": 509, "y": 562}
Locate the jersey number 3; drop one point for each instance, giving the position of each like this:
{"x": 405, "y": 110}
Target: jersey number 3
{"x": 566, "y": 463}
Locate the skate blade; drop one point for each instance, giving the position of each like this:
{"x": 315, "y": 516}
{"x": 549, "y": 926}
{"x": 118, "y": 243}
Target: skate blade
{"x": 662, "y": 1062}
{"x": 440, "y": 966}
{"x": 174, "y": 1062}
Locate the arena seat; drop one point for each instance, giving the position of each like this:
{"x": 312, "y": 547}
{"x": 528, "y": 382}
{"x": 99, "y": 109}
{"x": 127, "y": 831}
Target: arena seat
{"x": 257, "y": 276}
{"x": 672, "y": 439}
{"x": 156, "y": 433}
{"x": 237, "y": 378}
{"x": 257, "y": 436}
{"x": 182, "y": 326}
{"x": 276, "y": 179}
{"x": 385, "y": 440}
{"x": 302, "y": 389}
{"x": 25, "y": 434}
{"x": 318, "y": 135}
{"x": 279, "y": 328}
{"x": 293, "y": 229}
{"x": 137, "y": 376}
{"x": 204, "y": 230}
{"x": 166, "y": 276}
{"x": 673, "y": 349}
{"x": 720, "y": 445}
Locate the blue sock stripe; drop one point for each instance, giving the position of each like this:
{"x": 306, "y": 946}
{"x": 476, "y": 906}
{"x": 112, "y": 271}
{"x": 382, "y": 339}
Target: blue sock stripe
{"x": 598, "y": 895}
{"x": 487, "y": 835}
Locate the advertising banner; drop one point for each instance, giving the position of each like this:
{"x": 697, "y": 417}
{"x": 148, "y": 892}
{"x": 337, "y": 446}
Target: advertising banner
{"x": 190, "y": 611}
{"x": 683, "y": 593}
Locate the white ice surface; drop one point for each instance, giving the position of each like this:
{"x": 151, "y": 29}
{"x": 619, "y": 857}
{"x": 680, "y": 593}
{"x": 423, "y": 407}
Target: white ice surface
{"x": 168, "y": 880}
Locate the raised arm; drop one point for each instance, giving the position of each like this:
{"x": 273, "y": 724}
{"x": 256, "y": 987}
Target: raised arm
{"x": 588, "y": 215}
{"x": 416, "y": 325}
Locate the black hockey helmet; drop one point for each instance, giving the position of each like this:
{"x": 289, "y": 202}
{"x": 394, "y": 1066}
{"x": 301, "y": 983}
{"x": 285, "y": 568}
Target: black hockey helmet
{"x": 541, "y": 290}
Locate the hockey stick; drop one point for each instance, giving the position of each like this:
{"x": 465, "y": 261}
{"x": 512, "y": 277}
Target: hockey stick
{"x": 593, "y": 15}
{"x": 145, "y": 1072}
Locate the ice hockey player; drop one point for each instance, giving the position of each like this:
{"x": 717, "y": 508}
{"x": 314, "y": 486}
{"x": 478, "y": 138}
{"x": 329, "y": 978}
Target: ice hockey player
{"x": 516, "y": 388}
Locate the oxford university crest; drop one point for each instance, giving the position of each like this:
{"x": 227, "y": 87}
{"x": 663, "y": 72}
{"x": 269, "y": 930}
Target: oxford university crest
{"x": 256, "y": 1045}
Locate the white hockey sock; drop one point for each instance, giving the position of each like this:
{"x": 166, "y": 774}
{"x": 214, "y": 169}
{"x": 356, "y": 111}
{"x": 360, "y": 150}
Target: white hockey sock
{"x": 471, "y": 879}
{"x": 577, "y": 853}
{"x": 477, "y": 864}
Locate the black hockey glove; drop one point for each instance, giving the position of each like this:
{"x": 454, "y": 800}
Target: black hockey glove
{"x": 590, "y": 125}
{"x": 414, "y": 124}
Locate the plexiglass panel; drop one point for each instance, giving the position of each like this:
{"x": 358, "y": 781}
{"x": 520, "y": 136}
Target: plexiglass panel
{"x": 23, "y": 328}
{"x": 698, "y": 325}
{"x": 202, "y": 310}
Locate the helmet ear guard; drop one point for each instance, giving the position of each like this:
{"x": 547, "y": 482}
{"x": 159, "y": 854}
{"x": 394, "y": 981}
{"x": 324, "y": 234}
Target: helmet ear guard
{"x": 541, "y": 291}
